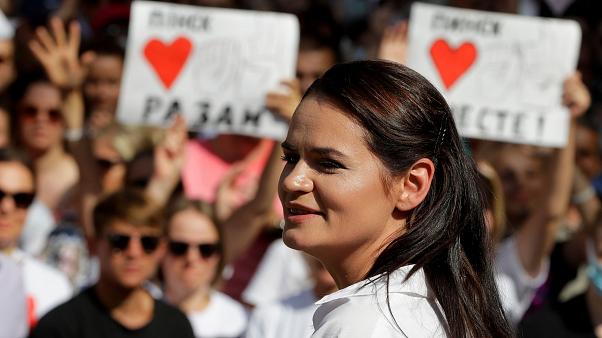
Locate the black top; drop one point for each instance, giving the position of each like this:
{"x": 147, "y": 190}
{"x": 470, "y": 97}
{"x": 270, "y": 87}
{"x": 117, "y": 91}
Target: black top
{"x": 84, "y": 316}
{"x": 568, "y": 319}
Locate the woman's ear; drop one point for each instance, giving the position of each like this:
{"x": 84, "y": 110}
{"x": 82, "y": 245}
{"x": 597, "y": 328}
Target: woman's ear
{"x": 415, "y": 184}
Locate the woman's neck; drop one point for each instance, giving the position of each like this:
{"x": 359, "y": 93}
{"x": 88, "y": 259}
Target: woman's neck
{"x": 43, "y": 158}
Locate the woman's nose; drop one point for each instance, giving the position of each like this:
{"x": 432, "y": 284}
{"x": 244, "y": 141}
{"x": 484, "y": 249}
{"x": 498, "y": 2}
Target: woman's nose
{"x": 297, "y": 179}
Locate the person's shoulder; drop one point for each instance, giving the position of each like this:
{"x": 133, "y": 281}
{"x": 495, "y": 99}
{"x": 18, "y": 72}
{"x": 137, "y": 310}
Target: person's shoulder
{"x": 63, "y": 320}
{"x": 167, "y": 315}
{"x": 227, "y": 303}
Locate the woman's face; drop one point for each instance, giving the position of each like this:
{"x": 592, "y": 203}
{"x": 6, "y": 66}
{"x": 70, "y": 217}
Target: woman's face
{"x": 335, "y": 201}
{"x": 189, "y": 271}
{"x": 40, "y": 117}
{"x": 522, "y": 179}
{"x": 103, "y": 83}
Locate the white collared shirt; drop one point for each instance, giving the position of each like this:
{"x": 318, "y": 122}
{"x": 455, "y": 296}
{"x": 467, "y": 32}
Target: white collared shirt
{"x": 361, "y": 310}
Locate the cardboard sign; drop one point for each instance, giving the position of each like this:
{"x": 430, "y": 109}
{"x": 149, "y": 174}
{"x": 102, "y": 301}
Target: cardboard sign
{"x": 214, "y": 66}
{"x": 501, "y": 74}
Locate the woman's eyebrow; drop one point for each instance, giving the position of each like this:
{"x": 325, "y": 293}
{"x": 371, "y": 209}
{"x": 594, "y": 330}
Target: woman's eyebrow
{"x": 325, "y": 151}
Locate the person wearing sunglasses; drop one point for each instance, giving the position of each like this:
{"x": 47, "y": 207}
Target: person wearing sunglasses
{"x": 128, "y": 243}
{"x": 44, "y": 286}
{"x": 191, "y": 268}
{"x": 39, "y": 129}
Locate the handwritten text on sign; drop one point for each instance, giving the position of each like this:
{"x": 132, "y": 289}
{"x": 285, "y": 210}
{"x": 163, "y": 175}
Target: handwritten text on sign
{"x": 502, "y": 74}
{"x": 214, "y": 66}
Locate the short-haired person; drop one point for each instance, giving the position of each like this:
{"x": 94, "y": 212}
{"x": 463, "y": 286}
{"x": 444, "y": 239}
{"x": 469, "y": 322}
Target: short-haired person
{"x": 128, "y": 243}
{"x": 378, "y": 188}
{"x": 44, "y": 286}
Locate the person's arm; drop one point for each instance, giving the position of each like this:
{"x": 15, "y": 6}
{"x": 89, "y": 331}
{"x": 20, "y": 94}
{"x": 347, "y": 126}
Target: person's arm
{"x": 168, "y": 161}
{"x": 245, "y": 223}
{"x": 57, "y": 50}
{"x": 535, "y": 238}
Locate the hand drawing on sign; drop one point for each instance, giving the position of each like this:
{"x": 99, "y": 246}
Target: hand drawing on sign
{"x": 500, "y": 68}
{"x": 452, "y": 63}
{"x": 167, "y": 60}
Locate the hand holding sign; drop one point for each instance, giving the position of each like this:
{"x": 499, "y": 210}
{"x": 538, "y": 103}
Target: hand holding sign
{"x": 575, "y": 95}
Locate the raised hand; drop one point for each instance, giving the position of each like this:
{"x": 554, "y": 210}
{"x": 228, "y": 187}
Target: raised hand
{"x": 285, "y": 103}
{"x": 168, "y": 161}
{"x": 576, "y": 95}
{"x": 57, "y": 50}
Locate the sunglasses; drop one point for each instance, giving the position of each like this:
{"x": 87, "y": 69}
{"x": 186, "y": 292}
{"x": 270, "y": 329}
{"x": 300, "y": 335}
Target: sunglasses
{"x": 22, "y": 200}
{"x": 120, "y": 242}
{"x": 206, "y": 250}
{"x": 31, "y": 112}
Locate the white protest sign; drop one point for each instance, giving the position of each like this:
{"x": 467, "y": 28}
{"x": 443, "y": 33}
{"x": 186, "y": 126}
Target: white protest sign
{"x": 502, "y": 74}
{"x": 214, "y": 66}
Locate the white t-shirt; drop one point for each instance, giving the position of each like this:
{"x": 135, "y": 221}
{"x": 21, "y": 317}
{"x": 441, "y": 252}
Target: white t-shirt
{"x": 290, "y": 318}
{"x": 223, "y": 317}
{"x": 38, "y": 225}
{"x": 515, "y": 286}
{"x": 282, "y": 273}
{"x": 361, "y": 310}
{"x": 13, "y": 313}
{"x": 45, "y": 287}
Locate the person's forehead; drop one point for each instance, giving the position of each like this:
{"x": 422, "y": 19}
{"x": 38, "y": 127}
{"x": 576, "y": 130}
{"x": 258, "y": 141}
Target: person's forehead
{"x": 15, "y": 176}
{"x": 124, "y": 227}
{"x": 6, "y": 47}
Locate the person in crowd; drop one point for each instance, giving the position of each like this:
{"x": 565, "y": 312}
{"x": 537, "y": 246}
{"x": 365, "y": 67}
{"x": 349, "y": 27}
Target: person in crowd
{"x": 8, "y": 71}
{"x": 102, "y": 83}
{"x": 580, "y": 316}
{"x": 192, "y": 267}
{"x": 316, "y": 56}
{"x": 129, "y": 245}
{"x": 13, "y": 310}
{"x": 587, "y": 156}
{"x": 536, "y": 202}
{"x": 415, "y": 262}
{"x": 292, "y": 316}
{"x": 44, "y": 286}
{"x": 39, "y": 132}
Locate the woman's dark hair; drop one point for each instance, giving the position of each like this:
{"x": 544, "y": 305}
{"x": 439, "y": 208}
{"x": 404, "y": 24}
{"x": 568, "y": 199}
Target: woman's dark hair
{"x": 405, "y": 119}
{"x": 180, "y": 203}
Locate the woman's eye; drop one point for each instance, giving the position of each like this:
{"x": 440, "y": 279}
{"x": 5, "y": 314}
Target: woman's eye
{"x": 290, "y": 158}
{"x": 330, "y": 165}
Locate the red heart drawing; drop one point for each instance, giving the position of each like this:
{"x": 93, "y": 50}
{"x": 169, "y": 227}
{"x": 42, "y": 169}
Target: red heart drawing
{"x": 168, "y": 59}
{"x": 452, "y": 62}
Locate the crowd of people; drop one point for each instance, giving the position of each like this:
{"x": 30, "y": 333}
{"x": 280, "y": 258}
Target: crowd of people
{"x": 114, "y": 230}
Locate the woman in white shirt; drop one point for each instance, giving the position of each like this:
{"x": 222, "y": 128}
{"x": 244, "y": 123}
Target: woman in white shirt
{"x": 192, "y": 264}
{"x": 377, "y": 187}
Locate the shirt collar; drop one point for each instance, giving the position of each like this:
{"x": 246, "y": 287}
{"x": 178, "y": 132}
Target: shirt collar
{"x": 416, "y": 285}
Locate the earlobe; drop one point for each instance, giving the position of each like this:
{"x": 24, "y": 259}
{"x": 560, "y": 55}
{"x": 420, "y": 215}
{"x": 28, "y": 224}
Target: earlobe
{"x": 416, "y": 184}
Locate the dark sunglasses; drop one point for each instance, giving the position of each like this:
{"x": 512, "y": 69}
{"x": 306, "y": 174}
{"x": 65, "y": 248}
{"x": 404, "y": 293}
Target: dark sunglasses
{"x": 105, "y": 164}
{"x": 22, "y": 199}
{"x": 120, "y": 242}
{"x": 30, "y": 112}
{"x": 207, "y": 250}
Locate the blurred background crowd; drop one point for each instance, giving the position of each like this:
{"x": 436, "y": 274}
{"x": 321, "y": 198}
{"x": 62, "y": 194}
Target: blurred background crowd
{"x": 63, "y": 151}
